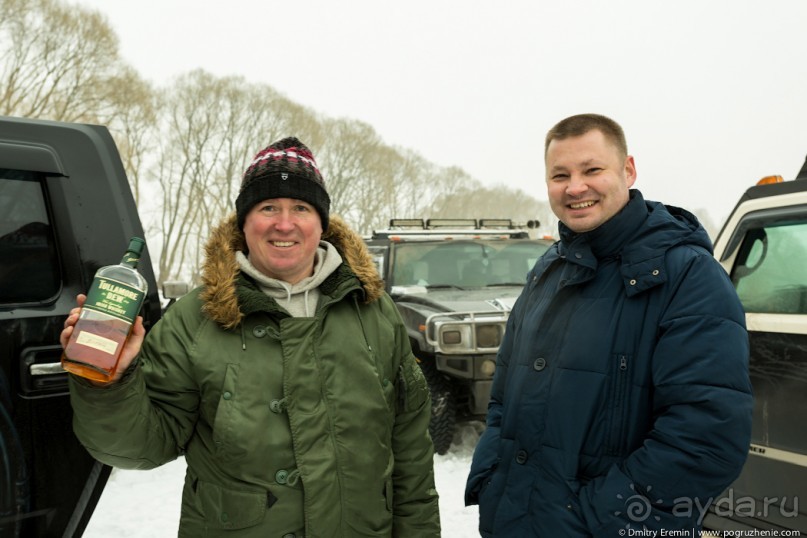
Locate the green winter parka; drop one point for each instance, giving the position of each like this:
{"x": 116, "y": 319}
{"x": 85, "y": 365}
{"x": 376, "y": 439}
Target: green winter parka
{"x": 290, "y": 427}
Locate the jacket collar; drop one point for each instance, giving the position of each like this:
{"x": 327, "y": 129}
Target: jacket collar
{"x": 611, "y": 237}
{"x": 639, "y": 236}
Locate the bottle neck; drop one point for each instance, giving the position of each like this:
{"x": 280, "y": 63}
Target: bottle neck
{"x": 130, "y": 259}
{"x": 133, "y": 252}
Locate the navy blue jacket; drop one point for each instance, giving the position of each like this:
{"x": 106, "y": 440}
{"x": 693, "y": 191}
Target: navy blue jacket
{"x": 621, "y": 397}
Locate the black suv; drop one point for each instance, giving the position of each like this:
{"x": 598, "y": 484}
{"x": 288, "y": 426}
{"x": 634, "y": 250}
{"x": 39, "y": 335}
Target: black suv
{"x": 763, "y": 246}
{"x": 454, "y": 282}
{"x": 66, "y": 209}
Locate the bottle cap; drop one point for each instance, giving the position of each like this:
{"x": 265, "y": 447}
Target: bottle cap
{"x": 136, "y": 245}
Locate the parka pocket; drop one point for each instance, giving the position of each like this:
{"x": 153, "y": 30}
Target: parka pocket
{"x": 571, "y": 518}
{"x": 377, "y": 516}
{"x": 388, "y": 494}
{"x": 490, "y": 493}
{"x": 230, "y": 509}
{"x": 226, "y": 413}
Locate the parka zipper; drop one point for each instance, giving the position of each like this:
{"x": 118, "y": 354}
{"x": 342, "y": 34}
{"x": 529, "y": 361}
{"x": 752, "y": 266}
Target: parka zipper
{"x": 619, "y": 408}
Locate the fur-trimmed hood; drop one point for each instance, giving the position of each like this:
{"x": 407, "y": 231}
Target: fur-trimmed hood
{"x": 221, "y": 271}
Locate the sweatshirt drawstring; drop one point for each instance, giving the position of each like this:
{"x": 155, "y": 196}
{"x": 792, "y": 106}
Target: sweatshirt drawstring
{"x": 287, "y": 287}
{"x": 305, "y": 298}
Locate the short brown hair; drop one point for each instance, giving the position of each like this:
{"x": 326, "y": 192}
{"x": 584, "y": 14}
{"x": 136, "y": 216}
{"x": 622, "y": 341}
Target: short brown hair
{"x": 581, "y": 124}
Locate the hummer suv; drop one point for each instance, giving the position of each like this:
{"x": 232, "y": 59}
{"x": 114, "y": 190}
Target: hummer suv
{"x": 763, "y": 247}
{"x": 66, "y": 209}
{"x": 454, "y": 282}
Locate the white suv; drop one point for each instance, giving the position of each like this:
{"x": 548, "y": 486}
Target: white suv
{"x": 763, "y": 247}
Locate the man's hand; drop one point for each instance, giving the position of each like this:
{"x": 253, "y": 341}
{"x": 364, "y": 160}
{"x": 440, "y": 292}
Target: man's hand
{"x": 130, "y": 349}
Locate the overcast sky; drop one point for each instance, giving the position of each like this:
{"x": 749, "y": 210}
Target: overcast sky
{"x": 712, "y": 94}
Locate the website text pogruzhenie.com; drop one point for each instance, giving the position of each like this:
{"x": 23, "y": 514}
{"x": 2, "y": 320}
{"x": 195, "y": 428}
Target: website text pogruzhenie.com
{"x": 695, "y": 533}
{"x": 753, "y": 532}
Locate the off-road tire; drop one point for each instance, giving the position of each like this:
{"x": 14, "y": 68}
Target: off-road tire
{"x": 444, "y": 409}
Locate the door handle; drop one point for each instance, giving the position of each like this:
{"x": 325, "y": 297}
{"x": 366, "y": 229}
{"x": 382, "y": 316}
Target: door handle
{"x": 41, "y": 372}
{"x": 49, "y": 368}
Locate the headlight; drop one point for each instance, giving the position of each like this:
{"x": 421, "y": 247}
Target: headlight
{"x": 464, "y": 337}
{"x": 452, "y": 337}
{"x": 489, "y": 336}
{"x": 456, "y": 336}
{"x": 488, "y": 368}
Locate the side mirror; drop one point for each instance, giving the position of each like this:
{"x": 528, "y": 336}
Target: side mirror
{"x": 174, "y": 289}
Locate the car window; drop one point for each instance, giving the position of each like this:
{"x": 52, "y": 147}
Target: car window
{"x": 466, "y": 264}
{"x": 379, "y": 254}
{"x": 769, "y": 273}
{"x": 29, "y": 271}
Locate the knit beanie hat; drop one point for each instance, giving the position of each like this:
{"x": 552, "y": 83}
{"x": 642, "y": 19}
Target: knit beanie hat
{"x": 285, "y": 169}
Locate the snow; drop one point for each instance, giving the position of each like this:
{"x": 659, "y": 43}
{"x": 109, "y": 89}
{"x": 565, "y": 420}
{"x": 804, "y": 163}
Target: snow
{"x": 138, "y": 504}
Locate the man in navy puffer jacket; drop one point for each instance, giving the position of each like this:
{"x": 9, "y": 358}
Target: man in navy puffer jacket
{"x": 621, "y": 398}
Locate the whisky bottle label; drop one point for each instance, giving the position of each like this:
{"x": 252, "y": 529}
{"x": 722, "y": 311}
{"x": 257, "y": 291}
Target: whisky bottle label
{"x": 114, "y": 298}
{"x": 86, "y": 338}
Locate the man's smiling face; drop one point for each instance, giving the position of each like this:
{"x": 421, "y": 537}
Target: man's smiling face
{"x": 587, "y": 180}
{"x": 282, "y": 236}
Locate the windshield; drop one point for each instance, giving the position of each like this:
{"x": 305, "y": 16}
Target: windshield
{"x": 464, "y": 264}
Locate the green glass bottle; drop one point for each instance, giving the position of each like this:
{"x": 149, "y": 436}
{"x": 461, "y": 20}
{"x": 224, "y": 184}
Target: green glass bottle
{"x": 107, "y": 317}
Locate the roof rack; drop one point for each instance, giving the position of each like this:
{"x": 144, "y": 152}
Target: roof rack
{"x": 451, "y": 223}
{"x": 431, "y": 224}
{"x": 407, "y": 223}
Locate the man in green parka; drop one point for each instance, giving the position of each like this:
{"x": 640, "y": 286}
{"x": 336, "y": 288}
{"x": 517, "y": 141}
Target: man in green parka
{"x": 286, "y": 379}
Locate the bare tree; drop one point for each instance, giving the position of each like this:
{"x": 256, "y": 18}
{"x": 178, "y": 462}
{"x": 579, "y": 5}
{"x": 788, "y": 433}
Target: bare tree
{"x": 343, "y": 158}
{"x": 133, "y": 124}
{"x": 472, "y": 200}
{"x": 211, "y": 129}
{"x": 61, "y": 62}
{"x": 412, "y": 187}
{"x": 56, "y": 61}
{"x": 191, "y": 146}
{"x": 377, "y": 189}
{"x": 184, "y": 147}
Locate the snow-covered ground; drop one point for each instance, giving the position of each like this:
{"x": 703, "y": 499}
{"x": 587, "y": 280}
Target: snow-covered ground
{"x": 137, "y": 504}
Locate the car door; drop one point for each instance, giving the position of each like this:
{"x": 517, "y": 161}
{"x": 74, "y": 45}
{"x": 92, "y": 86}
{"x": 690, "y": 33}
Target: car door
{"x": 65, "y": 210}
{"x": 764, "y": 250}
